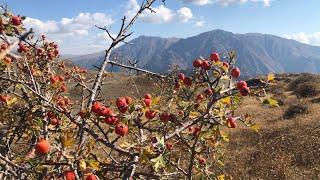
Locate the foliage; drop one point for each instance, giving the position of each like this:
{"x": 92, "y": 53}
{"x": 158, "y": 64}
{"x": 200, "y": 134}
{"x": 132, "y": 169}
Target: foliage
{"x": 175, "y": 132}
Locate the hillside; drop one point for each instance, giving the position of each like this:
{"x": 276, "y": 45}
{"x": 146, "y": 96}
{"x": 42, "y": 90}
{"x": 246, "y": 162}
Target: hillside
{"x": 284, "y": 148}
{"x": 263, "y": 53}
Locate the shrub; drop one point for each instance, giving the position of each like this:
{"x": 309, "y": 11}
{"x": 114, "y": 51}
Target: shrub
{"x": 49, "y": 133}
{"x": 295, "y": 110}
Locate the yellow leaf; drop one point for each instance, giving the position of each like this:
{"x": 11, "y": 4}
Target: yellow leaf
{"x": 224, "y": 136}
{"x": 226, "y": 100}
{"x": 255, "y": 127}
{"x": 221, "y": 177}
{"x": 126, "y": 145}
{"x": 270, "y": 77}
{"x": 272, "y": 102}
{"x": 11, "y": 101}
{"x": 67, "y": 139}
{"x": 194, "y": 114}
{"x": 94, "y": 164}
{"x": 82, "y": 164}
{"x": 156, "y": 100}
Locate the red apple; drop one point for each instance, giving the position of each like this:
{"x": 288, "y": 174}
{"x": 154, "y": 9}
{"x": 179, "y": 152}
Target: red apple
{"x": 235, "y": 72}
{"x": 214, "y": 57}
{"x": 121, "y": 129}
{"x": 197, "y": 63}
{"x": 54, "y": 79}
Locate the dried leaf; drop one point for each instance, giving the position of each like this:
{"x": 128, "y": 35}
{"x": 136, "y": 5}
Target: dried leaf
{"x": 270, "y": 77}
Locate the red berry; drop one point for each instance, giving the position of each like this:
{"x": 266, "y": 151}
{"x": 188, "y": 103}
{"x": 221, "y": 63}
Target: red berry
{"x": 235, "y": 72}
{"x": 225, "y": 64}
{"x": 206, "y": 65}
{"x": 150, "y": 114}
{"x": 199, "y": 97}
{"x": 54, "y": 79}
{"x": 169, "y": 146}
{"x": 63, "y": 88}
{"x": 96, "y": 107}
{"x": 42, "y": 147}
{"x": 201, "y": 160}
{"x": 177, "y": 85}
{"x": 231, "y": 122}
{"x": 111, "y": 120}
{"x": 147, "y": 102}
{"x": 121, "y": 101}
{"x": 187, "y": 81}
{"x": 104, "y": 111}
{"x": 121, "y": 129}
{"x": 164, "y": 117}
{"x": 123, "y": 109}
{"x": 181, "y": 76}
{"x": 197, "y": 63}
{"x": 16, "y": 20}
{"x": 147, "y": 96}
{"x": 214, "y": 57}
{"x": 245, "y": 91}
{"x": 208, "y": 91}
{"x": 69, "y": 175}
{"x": 91, "y": 177}
{"x": 196, "y": 131}
{"x": 241, "y": 84}
{"x": 128, "y": 99}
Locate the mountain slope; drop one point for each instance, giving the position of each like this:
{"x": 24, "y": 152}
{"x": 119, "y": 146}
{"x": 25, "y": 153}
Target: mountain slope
{"x": 257, "y": 53}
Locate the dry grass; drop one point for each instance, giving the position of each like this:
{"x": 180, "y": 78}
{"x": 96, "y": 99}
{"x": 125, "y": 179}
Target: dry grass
{"x": 283, "y": 149}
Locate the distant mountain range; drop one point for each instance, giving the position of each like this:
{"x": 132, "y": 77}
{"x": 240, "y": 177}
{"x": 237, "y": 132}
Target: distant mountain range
{"x": 256, "y": 53}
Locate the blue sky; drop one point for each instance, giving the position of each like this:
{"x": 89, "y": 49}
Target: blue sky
{"x": 71, "y": 22}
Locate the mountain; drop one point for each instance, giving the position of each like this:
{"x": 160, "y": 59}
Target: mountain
{"x": 256, "y": 53}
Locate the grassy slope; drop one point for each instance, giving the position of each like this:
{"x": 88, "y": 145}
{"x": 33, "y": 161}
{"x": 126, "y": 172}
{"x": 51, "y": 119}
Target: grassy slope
{"x": 283, "y": 149}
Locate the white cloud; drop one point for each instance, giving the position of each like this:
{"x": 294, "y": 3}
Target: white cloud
{"x": 199, "y": 23}
{"x": 184, "y": 14}
{"x": 199, "y": 2}
{"x": 225, "y": 2}
{"x": 312, "y": 39}
{"x": 40, "y": 26}
{"x": 161, "y": 15}
{"x": 79, "y": 25}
